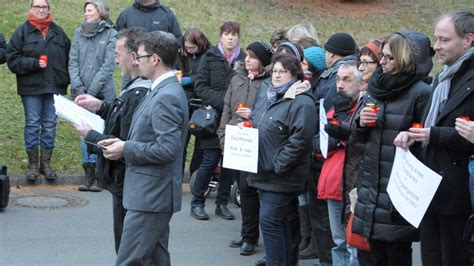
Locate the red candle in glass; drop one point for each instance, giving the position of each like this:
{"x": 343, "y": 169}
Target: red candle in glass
{"x": 376, "y": 110}
{"x": 247, "y": 123}
{"x": 44, "y": 58}
{"x": 334, "y": 122}
{"x": 417, "y": 125}
{"x": 241, "y": 105}
{"x": 465, "y": 118}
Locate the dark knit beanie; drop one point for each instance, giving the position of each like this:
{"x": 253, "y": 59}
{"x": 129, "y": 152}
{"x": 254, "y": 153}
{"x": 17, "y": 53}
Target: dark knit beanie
{"x": 263, "y": 51}
{"x": 341, "y": 43}
{"x": 293, "y": 48}
{"x": 316, "y": 56}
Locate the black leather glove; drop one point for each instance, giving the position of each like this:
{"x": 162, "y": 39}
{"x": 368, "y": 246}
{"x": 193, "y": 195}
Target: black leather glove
{"x": 342, "y": 104}
{"x": 340, "y": 132}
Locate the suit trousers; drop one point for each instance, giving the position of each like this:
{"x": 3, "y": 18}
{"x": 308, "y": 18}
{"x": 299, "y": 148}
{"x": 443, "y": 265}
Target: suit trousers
{"x": 145, "y": 239}
{"x": 119, "y": 216}
{"x": 441, "y": 240}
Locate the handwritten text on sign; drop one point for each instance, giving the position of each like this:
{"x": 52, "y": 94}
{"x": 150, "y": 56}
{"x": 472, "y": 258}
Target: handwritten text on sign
{"x": 241, "y": 149}
{"x": 412, "y": 186}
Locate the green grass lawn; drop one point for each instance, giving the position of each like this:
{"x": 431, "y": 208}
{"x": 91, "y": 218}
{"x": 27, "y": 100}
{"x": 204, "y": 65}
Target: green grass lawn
{"x": 258, "y": 18}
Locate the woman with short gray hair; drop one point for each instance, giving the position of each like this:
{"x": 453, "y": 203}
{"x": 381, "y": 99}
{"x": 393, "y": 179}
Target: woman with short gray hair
{"x": 91, "y": 68}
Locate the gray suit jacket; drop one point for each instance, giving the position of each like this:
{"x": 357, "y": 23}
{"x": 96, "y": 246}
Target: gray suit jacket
{"x": 153, "y": 152}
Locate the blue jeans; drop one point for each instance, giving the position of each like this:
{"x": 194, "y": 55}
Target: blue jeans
{"x": 209, "y": 163}
{"x": 40, "y": 121}
{"x": 342, "y": 253}
{"x": 86, "y": 156}
{"x": 274, "y": 224}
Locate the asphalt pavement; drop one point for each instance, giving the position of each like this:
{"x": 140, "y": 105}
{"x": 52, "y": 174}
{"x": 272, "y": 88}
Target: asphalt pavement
{"x": 57, "y": 225}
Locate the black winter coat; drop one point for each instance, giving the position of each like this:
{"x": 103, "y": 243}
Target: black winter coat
{"x": 448, "y": 153}
{"x": 23, "y": 52}
{"x": 189, "y": 66}
{"x": 286, "y": 129}
{"x": 118, "y": 117}
{"x": 214, "y": 74}
{"x": 3, "y": 48}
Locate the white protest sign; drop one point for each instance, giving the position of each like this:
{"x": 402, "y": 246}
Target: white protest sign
{"x": 323, "y": 136}
{"x": 412, "y": 186}
{"x": 241, "y": 149}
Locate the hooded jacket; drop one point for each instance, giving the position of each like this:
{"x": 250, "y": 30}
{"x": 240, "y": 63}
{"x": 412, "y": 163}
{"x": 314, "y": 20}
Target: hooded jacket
{"x": 152, "y": 18}
{"x": 118, "y": 117}
{"x": 92, "y": 61}
{"x": 241, "y": 90}
{"x": 286, "y": 129}
{"x": 375, "y": 216}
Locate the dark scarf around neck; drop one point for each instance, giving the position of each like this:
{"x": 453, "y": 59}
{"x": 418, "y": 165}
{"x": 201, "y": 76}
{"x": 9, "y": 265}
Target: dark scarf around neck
{"x": 387, "y": 86}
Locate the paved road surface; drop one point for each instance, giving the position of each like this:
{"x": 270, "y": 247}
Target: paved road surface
{"x": 82, "y": 234}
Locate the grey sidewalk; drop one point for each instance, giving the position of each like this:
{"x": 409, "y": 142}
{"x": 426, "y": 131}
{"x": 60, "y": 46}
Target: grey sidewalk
{"x": 82, "y": 234}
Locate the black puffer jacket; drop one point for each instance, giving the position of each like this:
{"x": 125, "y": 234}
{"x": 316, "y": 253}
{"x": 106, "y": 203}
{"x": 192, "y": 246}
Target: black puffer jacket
{"x": 375, "y": 216}
{"x": 286, "y": 129}
{"x": 448, "y": 153}
{"x": 214, "y": 74}
{"x": 23, "y": 52}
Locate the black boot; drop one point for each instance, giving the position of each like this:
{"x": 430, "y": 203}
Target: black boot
{"x": 89, "y": 172}
{"x": 45, "y": 165}
{"x": 311, "y": 252}
{"x": 33, "y": 172}
{"x": 305, "y": 226}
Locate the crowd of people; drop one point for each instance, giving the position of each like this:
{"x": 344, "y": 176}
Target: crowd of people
{"x": 303, "y": 202}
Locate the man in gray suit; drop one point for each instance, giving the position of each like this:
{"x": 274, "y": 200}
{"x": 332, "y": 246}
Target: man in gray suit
{"x": 153, "y": 154}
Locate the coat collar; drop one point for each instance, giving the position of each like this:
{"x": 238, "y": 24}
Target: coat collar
{"x": 297, "y": 88}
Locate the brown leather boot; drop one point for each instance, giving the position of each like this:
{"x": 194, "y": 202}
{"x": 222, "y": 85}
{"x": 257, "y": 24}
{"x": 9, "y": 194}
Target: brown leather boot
{"x": 45, "y": 166}
{"x": 33, "y": 173}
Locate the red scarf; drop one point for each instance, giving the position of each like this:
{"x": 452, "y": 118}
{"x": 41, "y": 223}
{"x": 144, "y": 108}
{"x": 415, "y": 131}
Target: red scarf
{"x": 41, "y": 24}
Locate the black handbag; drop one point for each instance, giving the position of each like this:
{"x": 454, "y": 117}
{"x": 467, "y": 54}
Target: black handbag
{"x": 203, "y": 122}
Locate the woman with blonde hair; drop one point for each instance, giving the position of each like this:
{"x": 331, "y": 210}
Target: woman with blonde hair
{"x": 91, "y": 68}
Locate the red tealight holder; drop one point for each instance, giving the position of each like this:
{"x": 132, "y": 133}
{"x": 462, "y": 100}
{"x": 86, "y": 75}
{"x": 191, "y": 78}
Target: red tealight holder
{"x": 465, "y": 118}
{"x": 417, "y": 125}
{"x": 334, "y": 122}
{"x": 247, "y": 123}
{"x": 376, "y": 110}
{"x": 241, "y": 105}
{"x": 44, "y": 58}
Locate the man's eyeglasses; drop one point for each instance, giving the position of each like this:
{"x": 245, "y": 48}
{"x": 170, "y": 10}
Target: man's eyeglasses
{"x": 142, "y": 56}
{"x": 279, "y": 71}
{"x": 386, "y": 57}
{"x": 365, "y": 63}
{"x": 38, "y": 8}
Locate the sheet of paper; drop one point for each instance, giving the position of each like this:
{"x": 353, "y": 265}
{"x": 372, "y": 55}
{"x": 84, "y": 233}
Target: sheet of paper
{"x": 73, "y": 113}
{"x": 412, "y": 186}
{"x": 241, "y": 149}
{"x": 323, "y": 136}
